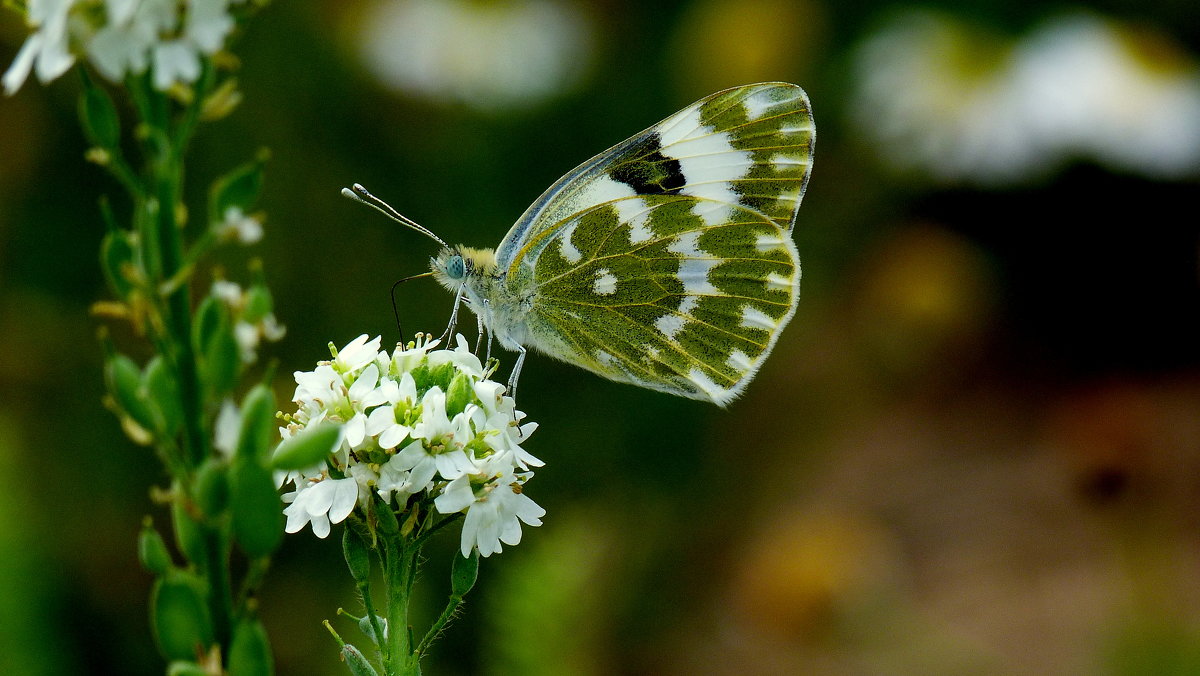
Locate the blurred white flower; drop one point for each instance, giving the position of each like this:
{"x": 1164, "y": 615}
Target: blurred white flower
{"x": 253, "y": 321}
{"x": 937, "y": 95}
{"x": 490, "y": 55}
{"x": 47, "y": 46}
{"x": 239, "y": 227}
{"x": 128, "y": 36}
{"x": 420, "y": 424}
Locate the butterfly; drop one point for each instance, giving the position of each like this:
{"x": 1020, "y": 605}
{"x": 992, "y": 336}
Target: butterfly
{"x": 666, "y": 261}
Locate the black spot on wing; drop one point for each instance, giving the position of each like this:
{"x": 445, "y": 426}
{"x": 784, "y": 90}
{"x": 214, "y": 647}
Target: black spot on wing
{"x": 647, "y": 170}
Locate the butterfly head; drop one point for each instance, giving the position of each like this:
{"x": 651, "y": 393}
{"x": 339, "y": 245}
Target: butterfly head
{"x": 456, "y": 265}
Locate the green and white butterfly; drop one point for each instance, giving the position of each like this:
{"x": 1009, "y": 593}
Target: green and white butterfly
{"x": 666, "y": 261}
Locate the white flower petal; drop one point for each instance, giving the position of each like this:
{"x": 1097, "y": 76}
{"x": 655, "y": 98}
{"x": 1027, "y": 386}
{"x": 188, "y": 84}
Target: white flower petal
{"x": 18, "y": 72}
{"x": 393, "y": 435}
{"x": 345, "y": 496}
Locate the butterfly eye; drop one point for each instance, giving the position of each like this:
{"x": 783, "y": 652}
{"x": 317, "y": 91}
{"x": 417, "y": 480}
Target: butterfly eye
{"x": 455, "y": 268}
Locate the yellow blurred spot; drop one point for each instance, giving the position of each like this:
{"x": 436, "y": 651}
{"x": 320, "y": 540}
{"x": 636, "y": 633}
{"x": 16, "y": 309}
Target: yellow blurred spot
{"x": 802, "y": 569}
{"x": 721, "y": 44}
{"x": 924, "y": 291}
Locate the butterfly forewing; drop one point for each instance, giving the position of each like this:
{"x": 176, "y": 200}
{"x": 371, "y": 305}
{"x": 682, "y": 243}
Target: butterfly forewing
{"x": 667, "y": 261}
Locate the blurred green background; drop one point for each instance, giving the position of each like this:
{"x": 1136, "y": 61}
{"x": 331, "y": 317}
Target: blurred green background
{"x": 976, "y": 448}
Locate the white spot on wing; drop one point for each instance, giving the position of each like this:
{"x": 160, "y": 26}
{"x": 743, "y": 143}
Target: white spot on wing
{"x": 669, "y": 325}
{"x": 688, "y": 304}
{"x": 753, "y": 318}
{"x": 739, "y": 361}
{"x": 695, "y": 263}
{"x": 601, "y": 190}
{"x": 566, "y": 246}
{"x": 764, "y": 101}
{"x": 710, "y": 388}
{"x": 606, "y": 282}
{"x": 776, "y": 281}
{"x": 713, "y": 213}
{"x": 769, "y": 242}
{"x": 706, "y": 158}
{"x": 635, "y": 212}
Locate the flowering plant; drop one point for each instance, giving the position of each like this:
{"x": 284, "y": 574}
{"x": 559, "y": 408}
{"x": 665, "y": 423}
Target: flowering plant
{"x": 420, "y": 437}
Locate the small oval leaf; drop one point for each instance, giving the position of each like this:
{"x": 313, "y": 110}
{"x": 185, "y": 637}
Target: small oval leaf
{"x": 256, "y": 508}
{"x": 179, "y": 616}
{"x": 307, "y": 447}
{"x": 258, "y": 422}
{"x": 250, "y": 652}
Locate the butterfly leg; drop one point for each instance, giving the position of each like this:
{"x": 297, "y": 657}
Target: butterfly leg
{"x": 480, "y": 329}
{"x": 516, "y": 372}
{"x": 453, "y": 318}
{"x": 512, "y": 385}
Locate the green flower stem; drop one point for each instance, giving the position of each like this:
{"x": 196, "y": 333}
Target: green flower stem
{"x": 364, "y": 590}
{"x": 165, "y": 260}
{"x": 451, "y": 608}
{"x": 400, "y": 567}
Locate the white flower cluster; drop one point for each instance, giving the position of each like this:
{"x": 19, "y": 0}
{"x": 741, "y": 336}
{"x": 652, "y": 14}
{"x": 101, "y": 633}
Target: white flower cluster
{"x": 420, "y": 426}
{"x": 938, "y": 95}
{"x": 121, "y": 37}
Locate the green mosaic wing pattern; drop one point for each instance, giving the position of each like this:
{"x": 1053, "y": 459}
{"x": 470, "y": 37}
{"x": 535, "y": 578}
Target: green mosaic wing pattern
{"x": 750, "y": 146}
{"x": 667, "y": 261}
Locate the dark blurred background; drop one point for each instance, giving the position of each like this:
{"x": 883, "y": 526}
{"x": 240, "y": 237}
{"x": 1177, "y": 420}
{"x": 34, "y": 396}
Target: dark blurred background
{"x": 976, "y": 448}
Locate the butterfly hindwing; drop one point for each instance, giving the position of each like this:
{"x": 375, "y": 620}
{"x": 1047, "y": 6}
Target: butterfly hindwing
{"x": 667, "y": 261}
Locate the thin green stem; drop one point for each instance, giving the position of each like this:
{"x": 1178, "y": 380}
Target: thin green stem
{"x": 380, "y": 640}
{"x": 448, "y": 612}
{"x": 399, "y": 576}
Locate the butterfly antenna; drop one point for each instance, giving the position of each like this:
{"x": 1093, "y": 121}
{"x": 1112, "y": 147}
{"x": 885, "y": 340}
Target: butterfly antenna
{"x": 360, "y": 194}
{"x": 396, "y": 308}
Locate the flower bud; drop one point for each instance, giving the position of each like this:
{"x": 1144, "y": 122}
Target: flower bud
{"x": 152, "y": 551}
{"x": 358, "y": 557}
{"x": 250, "y": 652}
{"x": 179, "y": 616}
{"x": 258, "y": 421}
{"x": 254, "y": 504}
{"x": 357, "y": 663}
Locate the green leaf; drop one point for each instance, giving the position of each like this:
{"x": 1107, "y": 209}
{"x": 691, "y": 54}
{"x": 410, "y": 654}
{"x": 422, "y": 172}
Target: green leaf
{"x": 179, "y": 616}
{"x": 212, "y": 487}
{"x": 152, "y": 551}
{"x": 162, "y": 396}
{"x": 222, "y": 362}
{"x": 125, "y": 383}
{"x": 386, "y": 517}
{"x": 250, "y": 652}
{"x": 256, "y": 508}
{"x": 210, "y": 316}
{"x": 258, "y": 303}
{"x": 116, "y": 255}
{"x": 239, "y": 188}
{"x": 98, "y": 116}
{"x": 358, "y": 557}
{"x": 440, "y": 376}
{"x": 258, "y": 423}
{"x": 460, "y": 393}
{"x": 463, "y": 573}
{"x": 189, "y": 537}
{"x": 307, "y": 447}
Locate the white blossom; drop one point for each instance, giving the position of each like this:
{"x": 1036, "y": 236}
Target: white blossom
{"x": 418, "y": 425}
